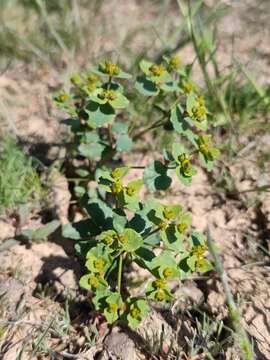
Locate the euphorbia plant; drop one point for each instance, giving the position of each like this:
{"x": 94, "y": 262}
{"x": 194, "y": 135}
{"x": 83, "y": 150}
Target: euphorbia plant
{"x": 121, "y": 228}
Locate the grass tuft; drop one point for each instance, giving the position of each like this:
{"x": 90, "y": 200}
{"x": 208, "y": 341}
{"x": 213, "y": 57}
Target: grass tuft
{"x": 19, "y": 181}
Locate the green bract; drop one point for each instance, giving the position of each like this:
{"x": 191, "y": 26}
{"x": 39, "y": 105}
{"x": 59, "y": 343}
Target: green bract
{"x": 120, "y": 227}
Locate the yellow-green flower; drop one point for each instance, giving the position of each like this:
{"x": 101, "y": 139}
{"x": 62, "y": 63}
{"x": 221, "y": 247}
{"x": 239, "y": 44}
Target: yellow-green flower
{"x": 174, "y": 63}
{"x": 188, "y": 87}
{"x": 182, "y": 227}
{"x": 117, "y": 187}
{"x": 99, "y": 264}
{"x": 76, "y": 79}
{"x": 185, "y": 164}
{"x": 157, "y": 70}
{"x": 108, "y": 95}
{"x": 63, "y": 97}
{"x": 160, "y": 295}
{"x": 109, "y": 68}
{"x": 199, "y": 251}
{"x": 168, "y": 213}
{"x": 160, "y": 283}
{"x": 123, "y": 238}
{"x": 168, "y": 272}
{"x": 93, "y": 282}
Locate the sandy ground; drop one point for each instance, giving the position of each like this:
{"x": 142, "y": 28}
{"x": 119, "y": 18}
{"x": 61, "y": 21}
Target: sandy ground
{"x": 236, "y": 224}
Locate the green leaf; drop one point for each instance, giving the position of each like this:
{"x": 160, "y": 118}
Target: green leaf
{"x": 191, "y": 102}
{"x": 124, "y": 143}
{"x": 140, "y": 222}
{"x": 91, "y": 151}
{"x": 95, "y": 96}
{"x": 120, "y": 172}
{"x": 99, "y": 114}
{"x": 169, "y": 86}
{"x": 98, "y": 259}
{"x": 121, "y": 74}
{"x": 145, "y": 65}
{"x": 114, "y": 308}
{"x": 155, "y": 176}
{"x": 121, "y": 102}
{"x": 186, "y": 180}
{"x": 41, "y": 233}
{"x": 80, "y": 230}
{"x": 99, "y": 298}
{"x": 191, "y": 262}
{"x": 180, "y": 124}
{"x": 90, "y": 281}
{"x": 100, "y": 213}
{"x": 144, "y": 257}
{"x": 79, "y": 190}
{"x": 203, "y": 266}
{"x": 133, "y": 240}
{"x": 82, "y": 172}
{"x": 164, "y": 259}
{"x": 177, "y": 150}
{"x": 197, "y": 238}
{"x": 119, "y": 220}
{"x": 208, "y": 164}
{"x": 74, "y": 123}
{"x": 146, "y": 87}
{"x": 119, "y": 128}
{"x": 168, "y": 212}
{"x": 172, "y": 239}
{"x": 137, "y": 311}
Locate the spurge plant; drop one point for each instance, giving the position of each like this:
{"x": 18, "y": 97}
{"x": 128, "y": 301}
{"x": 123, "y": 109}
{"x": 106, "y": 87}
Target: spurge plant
{"x": 121, "y": 231}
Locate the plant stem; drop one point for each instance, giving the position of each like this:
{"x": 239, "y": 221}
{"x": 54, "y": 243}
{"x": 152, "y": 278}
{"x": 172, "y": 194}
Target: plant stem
{"x": 119, "y": 276}
{"x": 242, "y": 337}
{"x": 151, "y": 233}
{"x": 155, "y": 125}
{"x": 202, "y": 62}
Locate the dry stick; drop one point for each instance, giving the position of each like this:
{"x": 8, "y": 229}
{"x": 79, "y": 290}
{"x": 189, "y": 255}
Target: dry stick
{"x": 243, "y": 339}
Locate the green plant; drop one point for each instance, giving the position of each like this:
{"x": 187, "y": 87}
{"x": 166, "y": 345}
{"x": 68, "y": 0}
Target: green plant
{"x": 121, "y": 229}
{"x": 19, "y": 181}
